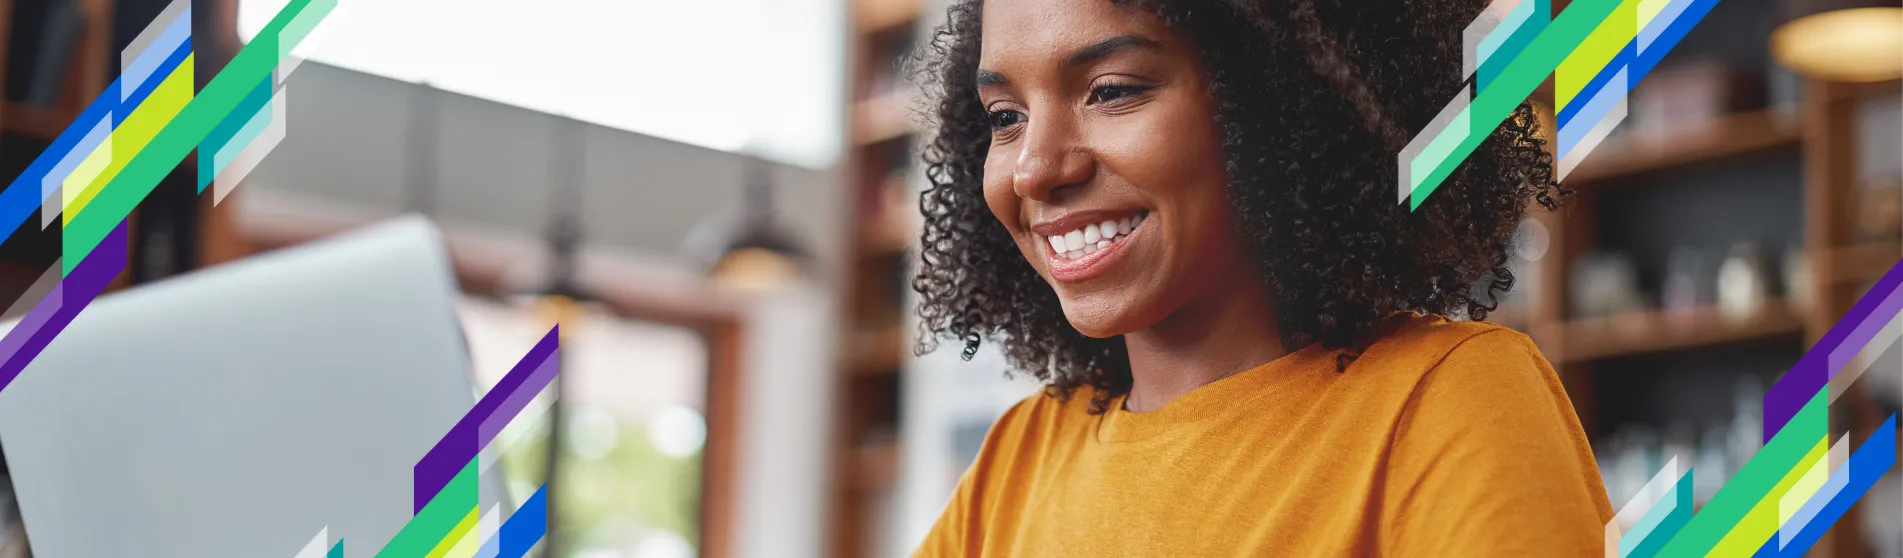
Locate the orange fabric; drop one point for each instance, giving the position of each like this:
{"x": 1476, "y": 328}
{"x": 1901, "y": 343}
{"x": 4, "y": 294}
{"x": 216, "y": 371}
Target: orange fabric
{"x": 1442, "y": 439}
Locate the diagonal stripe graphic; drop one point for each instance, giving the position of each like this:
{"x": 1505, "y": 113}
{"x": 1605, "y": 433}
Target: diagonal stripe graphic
{"x": 1760, "y": 523}
{"x": 129, "y": 138}
{"x": 36, "y": 292}
{"x": 437, "y": 518}
{"x": 1595, "y": 54}
{"x": 315, "y": 548}
{"x": 456, "y": 534}
{"x": 1516, "y": 82}
{"x": 252, "y": 64}
{"x": 1804, "y": 501}
{"x": 1865, "y": 319}
{"x": 465, "y": 440}
{"x": 522, "y": 530}
{"x": 1661, "y": 523}
{"x": 141, "y": 59}
{"x": 1750, "y": 485}
{"x": 229, "y": 131}
{"x": 259, "y": 136}
{"x": 51, "y": 315}
{"x": 1868, "y": 464}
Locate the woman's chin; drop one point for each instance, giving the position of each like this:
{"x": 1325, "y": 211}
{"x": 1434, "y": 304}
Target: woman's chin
{"x": 1101, "y": 320}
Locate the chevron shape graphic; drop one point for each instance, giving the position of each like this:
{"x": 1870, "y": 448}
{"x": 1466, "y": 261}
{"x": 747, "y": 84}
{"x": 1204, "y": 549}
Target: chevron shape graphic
{"x": 135, "y": 132}
{"x": 1596, "y": 51}
{"x": 1798, "y": 484}
{"x": 448, "y": 521}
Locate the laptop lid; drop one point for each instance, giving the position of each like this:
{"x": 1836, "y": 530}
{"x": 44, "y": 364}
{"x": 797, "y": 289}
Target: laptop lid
{"x": 236, "y": 411}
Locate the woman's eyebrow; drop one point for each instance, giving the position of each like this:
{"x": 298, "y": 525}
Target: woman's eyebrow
{"x": 1096, "y": 51}
{"x": 1110, "y": 46}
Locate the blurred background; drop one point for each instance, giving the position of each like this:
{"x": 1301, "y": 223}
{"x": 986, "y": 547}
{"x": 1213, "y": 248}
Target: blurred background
{"x": 727, "y": 188}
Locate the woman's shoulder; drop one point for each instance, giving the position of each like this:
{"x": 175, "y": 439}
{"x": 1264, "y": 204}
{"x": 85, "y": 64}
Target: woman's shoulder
{"x": 1431, "y": 341}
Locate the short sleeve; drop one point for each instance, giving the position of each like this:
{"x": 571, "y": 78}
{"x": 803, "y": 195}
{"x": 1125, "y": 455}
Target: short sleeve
{"x": 1488, "y": 459}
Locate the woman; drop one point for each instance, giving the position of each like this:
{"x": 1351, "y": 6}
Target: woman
{"x": 1180, "y": 216}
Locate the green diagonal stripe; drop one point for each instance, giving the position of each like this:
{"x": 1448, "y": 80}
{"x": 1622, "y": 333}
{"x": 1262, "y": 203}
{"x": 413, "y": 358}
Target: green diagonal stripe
{"x": 219, "y": 99}
{"x": 438, "y": 518}
{"x": 1752, "y": 483}
{"x": 1517, "y": 82}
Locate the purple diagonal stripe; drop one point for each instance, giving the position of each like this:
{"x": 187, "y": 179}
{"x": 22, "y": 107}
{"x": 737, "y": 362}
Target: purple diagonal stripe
{"x": 470, "y": 434}
{"x": 48, "y": 318}
{"x": 1843, "y": 341}
{"x": 519, "y": 399}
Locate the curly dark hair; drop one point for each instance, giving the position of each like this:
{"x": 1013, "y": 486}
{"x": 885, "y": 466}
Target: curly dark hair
{"x": 1314, "y": 99}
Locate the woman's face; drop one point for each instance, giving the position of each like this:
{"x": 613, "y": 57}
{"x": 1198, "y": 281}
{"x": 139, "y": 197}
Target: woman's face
{"x": 1105, "y": 162}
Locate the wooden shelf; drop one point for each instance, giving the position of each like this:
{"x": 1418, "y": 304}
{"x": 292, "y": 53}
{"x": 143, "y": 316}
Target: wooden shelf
{"x": 878, "y": 16}
{"x": 876, "y": 465}
{"x": 1656, "y": 331}
{"x": 1728, "y": 136}
{"x": 1863, "y": 262}
{"x": 895, "y": 226}
{"x": 881, "y": 118}
{"x": 880, "y": 351}
{"x": 39, "y": 122}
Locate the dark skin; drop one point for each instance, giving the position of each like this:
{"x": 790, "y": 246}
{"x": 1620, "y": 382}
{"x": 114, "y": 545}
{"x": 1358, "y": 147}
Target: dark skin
{"x": 1099, "y": 111}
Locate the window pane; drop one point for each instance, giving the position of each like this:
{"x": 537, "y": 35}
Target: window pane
{"x": 633, "y": 405}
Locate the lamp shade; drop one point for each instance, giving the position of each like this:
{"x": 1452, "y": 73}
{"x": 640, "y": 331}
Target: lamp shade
{"x": 1842, "y": 40}
{"x": 751, "y": 252}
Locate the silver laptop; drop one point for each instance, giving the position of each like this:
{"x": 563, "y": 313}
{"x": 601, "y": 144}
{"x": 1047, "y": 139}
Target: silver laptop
{"x": 236, "y": 411}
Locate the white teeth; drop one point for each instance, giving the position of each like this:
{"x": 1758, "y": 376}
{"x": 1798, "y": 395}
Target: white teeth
{"x": 1093, "y": 237}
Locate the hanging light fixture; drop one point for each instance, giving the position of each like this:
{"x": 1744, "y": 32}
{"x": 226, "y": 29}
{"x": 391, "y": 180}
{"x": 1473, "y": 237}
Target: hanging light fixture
{"x": 1842, "y": 40}
{"x": 549, "y": 287}
{"x": 751, "y": 252}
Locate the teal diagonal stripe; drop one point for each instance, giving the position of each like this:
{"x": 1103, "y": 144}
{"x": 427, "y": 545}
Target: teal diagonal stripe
{"x": 1515, "y": 83}
{"x": 438, "y": 517}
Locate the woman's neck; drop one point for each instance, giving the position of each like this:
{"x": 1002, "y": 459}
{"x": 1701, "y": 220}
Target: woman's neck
{"x": 1211, "y": 338}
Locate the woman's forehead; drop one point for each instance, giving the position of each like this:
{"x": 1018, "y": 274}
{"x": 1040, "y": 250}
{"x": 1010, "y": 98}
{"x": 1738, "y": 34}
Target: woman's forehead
{"x": 1047, "y": 29}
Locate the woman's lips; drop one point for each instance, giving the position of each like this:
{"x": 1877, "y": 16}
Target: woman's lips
{"x": 1083, "y": 253}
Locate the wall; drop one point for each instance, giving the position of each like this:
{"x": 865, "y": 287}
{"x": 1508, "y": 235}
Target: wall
{"x": 347, "y": 144}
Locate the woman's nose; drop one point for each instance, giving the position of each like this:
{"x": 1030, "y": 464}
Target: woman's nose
{"x": 1051, "y": 159}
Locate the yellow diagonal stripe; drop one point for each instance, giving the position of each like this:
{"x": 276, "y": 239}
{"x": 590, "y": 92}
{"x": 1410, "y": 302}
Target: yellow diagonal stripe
{"x": 1649, "y": 10}
{"x": 1595, "y": 52}
{"x": 130, "y": 137}
{"x": 457, "y": 535}
{"x": 1761, "y": 523}
{"x": 471, "y": 542}
{"x": 1801, "y": 491}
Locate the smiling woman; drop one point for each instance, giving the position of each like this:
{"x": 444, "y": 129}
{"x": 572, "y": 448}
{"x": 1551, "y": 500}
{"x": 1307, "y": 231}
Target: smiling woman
{"x": 1179, "y": 215}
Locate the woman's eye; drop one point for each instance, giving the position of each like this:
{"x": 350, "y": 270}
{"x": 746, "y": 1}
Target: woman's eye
{"x": 1109, "y": 93}
{"x": 1001, "y": 119}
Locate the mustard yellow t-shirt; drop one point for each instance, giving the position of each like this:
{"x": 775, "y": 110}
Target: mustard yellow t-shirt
{"x": 1442, "y": 439}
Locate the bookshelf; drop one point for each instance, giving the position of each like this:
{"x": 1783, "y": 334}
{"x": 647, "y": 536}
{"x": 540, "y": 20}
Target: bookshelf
{"x": 880, "y": 173}
{"x": 1819, "y": 137}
